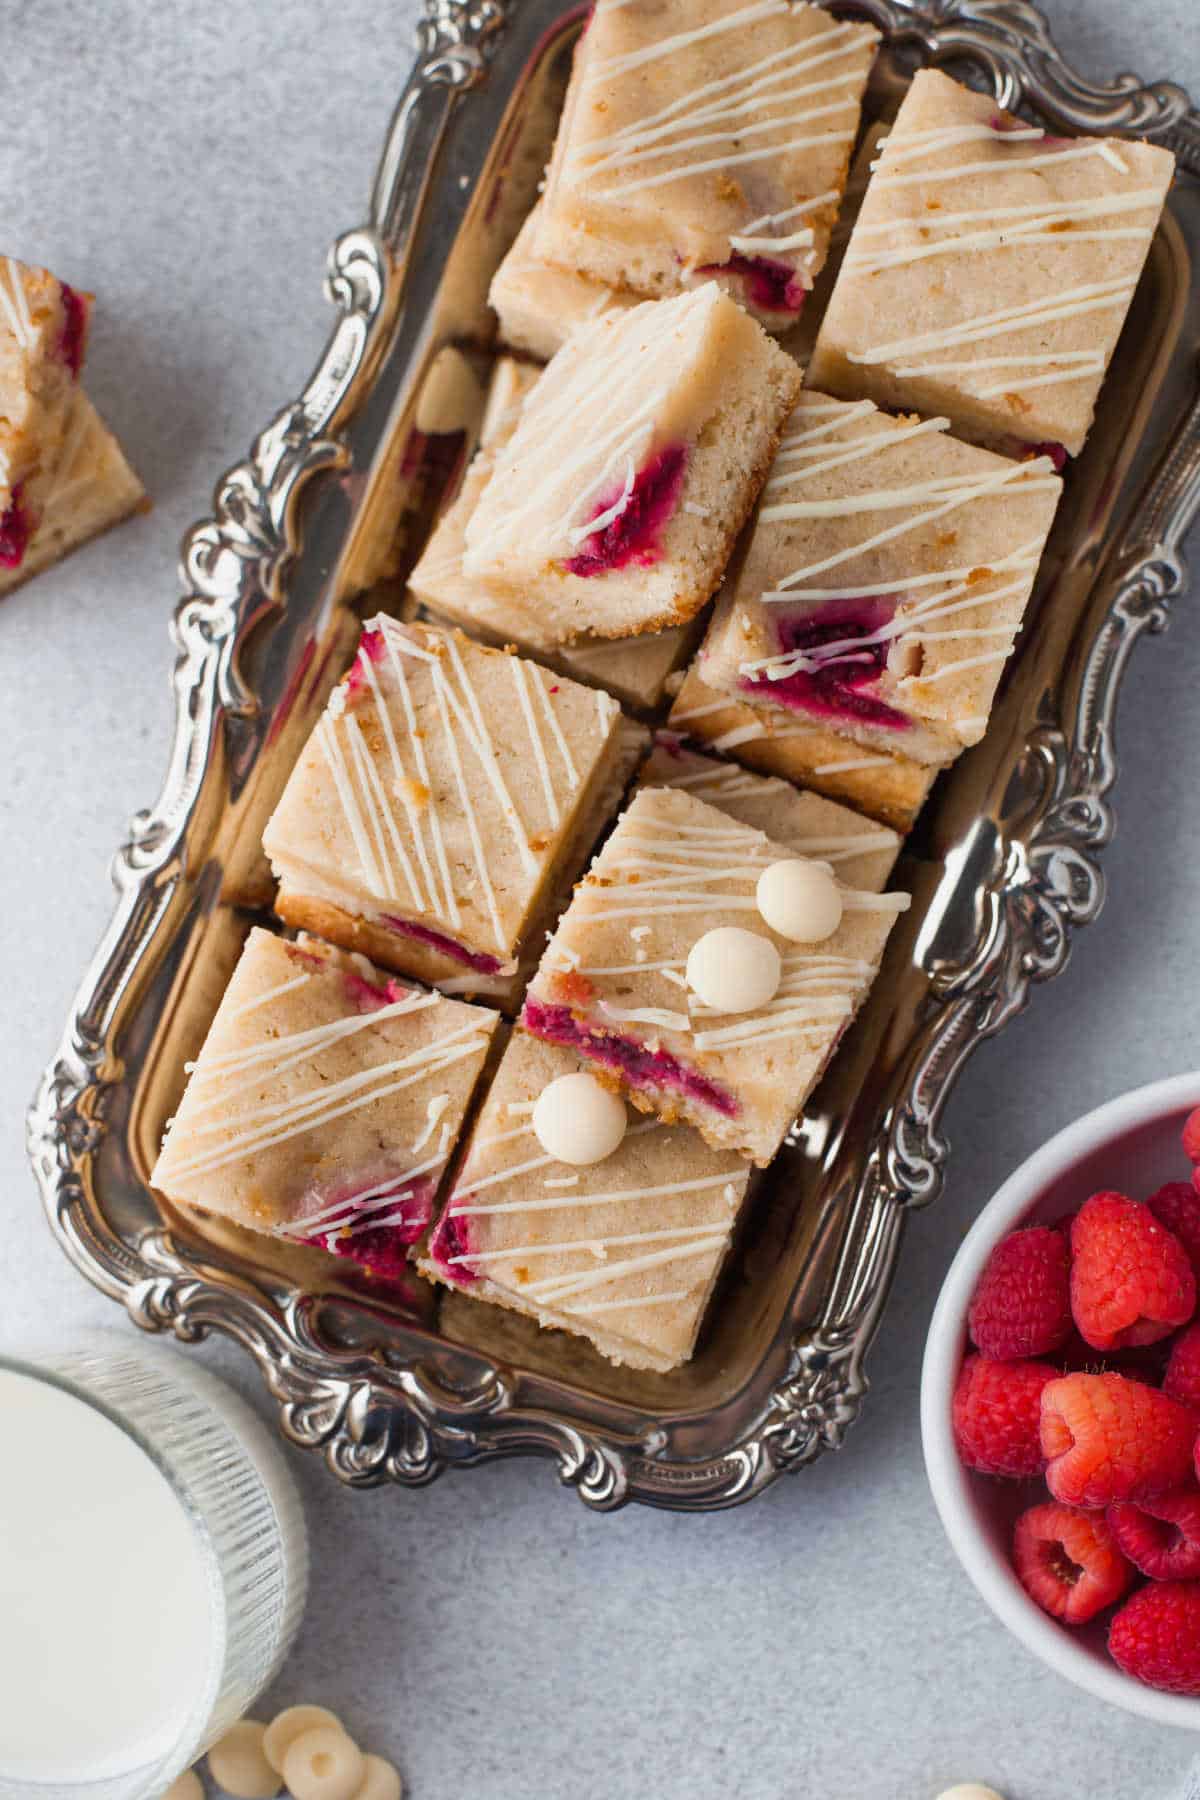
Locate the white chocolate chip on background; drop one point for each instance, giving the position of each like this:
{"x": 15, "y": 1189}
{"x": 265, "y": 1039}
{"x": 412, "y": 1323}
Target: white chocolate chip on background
{"x": 324, "y": 1764}
{"x": 187, "y": 1786}
{"x": 800, "y": 900}
{"x": 577, "y": 1120}
{"x": 238, "y": 1764}
{"x": 382, "y": 1782}
{"x": 970, "y": 1790}
{"x": 733, "y": 970}
{"x": 287, "y": 1726}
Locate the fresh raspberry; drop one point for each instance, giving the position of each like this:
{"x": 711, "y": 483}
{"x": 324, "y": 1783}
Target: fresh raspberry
{"x": 997, "y": 1412}
{"x": 1131, "y": 1281}
{"x": 1161, "y": 1536}
{"x": 1021, "y": 1306}
{"x": 1156, "y": 1636}
{"x": 1069, "y": 1562}
{"x": 1108, "y": 1438}
{"x": 1182, "y": 1377}
{"x": 1191, "y": 1136}
{"x": 1177, "y": 1206}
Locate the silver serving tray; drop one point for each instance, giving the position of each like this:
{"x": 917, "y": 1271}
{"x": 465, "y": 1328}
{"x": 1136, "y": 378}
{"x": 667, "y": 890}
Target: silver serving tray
{"x": 1002, "y": 866}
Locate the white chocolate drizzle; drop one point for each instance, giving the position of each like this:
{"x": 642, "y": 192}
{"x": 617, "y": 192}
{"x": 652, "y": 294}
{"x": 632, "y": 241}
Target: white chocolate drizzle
{"x": 404, "y": 864}
{"x": 711, "y": 125}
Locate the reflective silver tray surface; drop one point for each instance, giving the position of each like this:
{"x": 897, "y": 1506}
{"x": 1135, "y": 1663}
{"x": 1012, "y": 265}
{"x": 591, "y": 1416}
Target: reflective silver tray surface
{"x": 1003, "y": 864}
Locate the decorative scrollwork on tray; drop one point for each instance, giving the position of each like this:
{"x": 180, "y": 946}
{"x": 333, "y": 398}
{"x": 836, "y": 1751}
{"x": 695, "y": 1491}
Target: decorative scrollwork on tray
{"x": 455, "y": 37}
{"x": 1036, "y": 875}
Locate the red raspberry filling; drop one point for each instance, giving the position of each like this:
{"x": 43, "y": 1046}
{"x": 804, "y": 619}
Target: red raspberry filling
{"x": 448, "y": 1241}
{"x": 73, "y": 340}
{"x": 771, "y": 286}
{"x": 381, "y": 1249}
{"x": 479, "y": 960}
{"x": 633, "y": 536}
{"x": 16, "y": 529}
{"x": 368, "y": 996}
{"x": 639, "y": 1066}
{"x": 1056, "y": 452}
{"x": 372, "y": 647}
{"x": 835, "y": 689}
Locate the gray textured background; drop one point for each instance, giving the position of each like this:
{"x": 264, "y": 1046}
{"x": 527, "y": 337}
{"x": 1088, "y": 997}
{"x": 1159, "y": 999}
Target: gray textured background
{"x": 190, "y": 164}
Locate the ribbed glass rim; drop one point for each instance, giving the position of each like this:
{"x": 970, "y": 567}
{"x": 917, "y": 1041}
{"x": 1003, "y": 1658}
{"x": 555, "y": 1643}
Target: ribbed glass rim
{"x": 248, "y": 1638}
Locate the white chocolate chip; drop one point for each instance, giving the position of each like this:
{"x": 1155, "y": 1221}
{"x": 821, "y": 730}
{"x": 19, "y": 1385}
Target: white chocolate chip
{"x": 800, "y": 900}
{"x": 324, "y": 1764}
{"x": 382, "y": 1782}
{"x": 970, "y": 1790}
{"x": 187, "y": 1787}
{"x": 734, "y": 971}
{"x": 238, "y": 1763}
{"x": 578, "y": 1121}
{"x": 286, "y": 1727}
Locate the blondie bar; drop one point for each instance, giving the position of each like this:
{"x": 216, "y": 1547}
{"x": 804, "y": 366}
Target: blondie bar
{"x": 615, "y": 984}
{"x": 325, "y": 1102}
{"x": 446, "y": 794}
{"x": 624, "y": 1251}
{"x": 43, "y": 340}
{"x": 92, "y": 489}
{"x": 636, "y": 459}
{"x": 634, "y": 669}
{"x": 706, "y": 138}
{"x": 884, "y": 581}
{"x": 990, "y": 270}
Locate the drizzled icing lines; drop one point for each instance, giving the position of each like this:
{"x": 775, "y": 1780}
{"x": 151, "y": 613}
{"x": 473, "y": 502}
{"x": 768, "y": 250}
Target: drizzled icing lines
{"x": 704, "y": 870}
{"x": 719, "y": 124}
{"x": 811, "y": 451}
{"x": 15, "y": 315}
{"x": 1060, "y": 221}
{"x": 776, "y": 731}
{"x": 221, "y": 1133}
{"x": 450, "y": 721}
{"x": 719, "y": 785}
{"x": 617, "y": 385}
{"x": 659, "y": 1247}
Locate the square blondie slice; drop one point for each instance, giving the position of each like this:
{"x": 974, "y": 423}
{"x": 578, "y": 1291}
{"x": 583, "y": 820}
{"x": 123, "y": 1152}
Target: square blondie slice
{"x": 702, "y": 139}
{"x": 624, "y": 1252}
{"x": 43, "y": 340}
{"x": 446, "y": 795}
{"x": 325, "y": 1102}
{"x": 612, "y": 985}
{"x": 892, "y": 789}
{"x": 634, "y": 669}
{"x": 861, "y": 852}
{"x": 990, "y": 270}
{"x": 93, "y": 488}
{"x": 539, "y": 304}
{"x": 885, "y": 580}
{"x": 614, "y": 506}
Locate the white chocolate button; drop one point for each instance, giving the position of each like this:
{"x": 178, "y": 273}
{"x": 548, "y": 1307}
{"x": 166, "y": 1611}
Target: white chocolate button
{"x": 970, "y": 1790}
{"x": 800, "y": 900}
{"x": 382, "y": 1783}
{"x": 732, "y": 970}
{"x": 237, "y": 1763}
{"x": 324, "y": 1764}
{"x": 187, "y": 1787}
{"x": 287, "y": 1725}
{"x": 577, "y": 1120}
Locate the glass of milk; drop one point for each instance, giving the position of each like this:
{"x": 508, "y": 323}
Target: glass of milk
{"x": 153, "y": 1569}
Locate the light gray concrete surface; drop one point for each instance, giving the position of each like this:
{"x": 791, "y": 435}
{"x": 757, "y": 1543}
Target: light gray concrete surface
{"x": 190, "y": 164}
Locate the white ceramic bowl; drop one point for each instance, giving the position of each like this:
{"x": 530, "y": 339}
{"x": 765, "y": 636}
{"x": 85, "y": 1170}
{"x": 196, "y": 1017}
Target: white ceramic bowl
{"x": 1131, "y": 1144}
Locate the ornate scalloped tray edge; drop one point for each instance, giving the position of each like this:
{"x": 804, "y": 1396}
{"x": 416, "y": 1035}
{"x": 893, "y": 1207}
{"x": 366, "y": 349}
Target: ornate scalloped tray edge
{"x": 378, "y": 1414}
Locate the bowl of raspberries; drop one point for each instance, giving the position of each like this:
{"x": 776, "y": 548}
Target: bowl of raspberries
{"x": 1060, "y": 1402}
